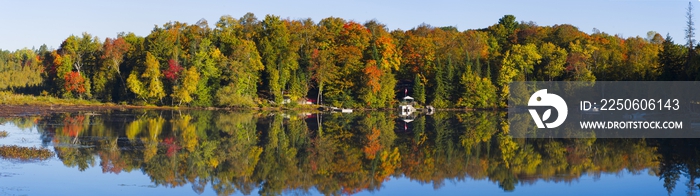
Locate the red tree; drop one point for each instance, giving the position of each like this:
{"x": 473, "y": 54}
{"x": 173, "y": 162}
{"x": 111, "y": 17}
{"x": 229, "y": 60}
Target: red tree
{"x": 173, "y": 70}
{"x": 74, "y": 83}
{"x": 114, "y": 50}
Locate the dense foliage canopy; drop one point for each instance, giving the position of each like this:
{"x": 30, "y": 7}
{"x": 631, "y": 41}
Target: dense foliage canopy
{"x": 252, "y": 62}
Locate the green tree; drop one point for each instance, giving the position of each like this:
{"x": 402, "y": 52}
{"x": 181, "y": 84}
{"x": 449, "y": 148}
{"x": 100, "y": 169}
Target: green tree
{"x": 21, "y": 69}
{"x": 240, "y": 70}
{"x": 302, "y": 37}
{"x": 508, "y": 21}
{"x": 690, "y": 30}
{"x": 504, "y": 29}
{"x": 82, "y": 53}
{"x": 113, "y": 53}
{"x": 479, "y": 92}
{"x": 207, "y": 60}
{"x": 672, "y": 60}
{"x": 443, "y": 76}
{"x": 418, "y": 89}
{"x": 298, "y": 85}
{"x": 277, "y": 55}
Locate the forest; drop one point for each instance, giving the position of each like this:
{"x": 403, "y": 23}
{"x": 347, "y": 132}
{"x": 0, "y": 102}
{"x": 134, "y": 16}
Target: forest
{"x": 248, "y": 62}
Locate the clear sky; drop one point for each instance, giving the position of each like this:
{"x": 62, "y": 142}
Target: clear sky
{"x": 31, "y": 23}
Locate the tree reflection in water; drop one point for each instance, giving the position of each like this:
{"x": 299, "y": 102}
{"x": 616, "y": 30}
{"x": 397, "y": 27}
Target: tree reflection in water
{"x": 239, "y": 152}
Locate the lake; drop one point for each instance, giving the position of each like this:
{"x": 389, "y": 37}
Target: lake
{"x": 193, "y": 152}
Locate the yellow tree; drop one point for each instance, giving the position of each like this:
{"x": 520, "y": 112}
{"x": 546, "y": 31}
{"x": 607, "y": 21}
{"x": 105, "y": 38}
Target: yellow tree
{"x": 517, "y": 64}
{"x": 553, "y": 60}
{"x": 183, "y": 93}
{"x": 578, "y": 61}
{"x": 147, "y": 85}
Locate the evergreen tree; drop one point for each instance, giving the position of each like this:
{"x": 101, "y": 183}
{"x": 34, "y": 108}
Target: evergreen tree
{"x": 440, "y": 94}
{"x": 672, "y": 60}
{"x": 418, "y": 89}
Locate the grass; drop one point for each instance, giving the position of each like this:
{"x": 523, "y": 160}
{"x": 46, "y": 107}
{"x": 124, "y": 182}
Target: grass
{"x": 10, "y": 98}
{"x": 25, "y": 153}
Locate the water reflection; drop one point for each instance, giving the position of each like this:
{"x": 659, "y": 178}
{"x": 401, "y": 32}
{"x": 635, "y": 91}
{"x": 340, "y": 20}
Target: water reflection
{"x": 244, "y": 152}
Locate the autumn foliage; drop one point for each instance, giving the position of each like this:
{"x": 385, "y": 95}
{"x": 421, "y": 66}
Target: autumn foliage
{"x": 373, "y": 146}
{"x": 247, "y": 153}
{"x": 173, "y": 70}
{"x": 74, "y": 82}
{"x": 248, "y": 62}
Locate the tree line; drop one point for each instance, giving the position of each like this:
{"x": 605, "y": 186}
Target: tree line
{"x": 248, "y": 62}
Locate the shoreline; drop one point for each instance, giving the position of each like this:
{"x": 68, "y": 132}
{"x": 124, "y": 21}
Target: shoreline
{"x": 22, "y": 110}
{"x": 17, "y": 105}
{"x": 14, "y": 110}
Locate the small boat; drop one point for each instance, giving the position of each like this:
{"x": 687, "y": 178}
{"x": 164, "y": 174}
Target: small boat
{"x": 594, "y": 110}
{"x": 406, "y": 106}
{"x": 429, "y": 110}
{"x": 341, "y": 110}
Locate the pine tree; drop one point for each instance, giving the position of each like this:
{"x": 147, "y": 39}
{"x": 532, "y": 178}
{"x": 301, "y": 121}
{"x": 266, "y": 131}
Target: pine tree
{"x": 690, "y": 29}
{"x": 441, "y": 91}
{"x": 418, "y": 89}
{"x": 672, "y": 59}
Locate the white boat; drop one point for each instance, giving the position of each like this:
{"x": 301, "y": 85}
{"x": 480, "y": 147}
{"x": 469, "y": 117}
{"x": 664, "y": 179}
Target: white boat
{"x": 429, "y": 110}
{"x": 341, "y": 110}
{"x": 406, "y": 106}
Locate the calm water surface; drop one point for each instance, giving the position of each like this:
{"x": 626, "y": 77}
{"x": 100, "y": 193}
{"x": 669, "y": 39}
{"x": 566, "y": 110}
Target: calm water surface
{"x": 163, "y": 152}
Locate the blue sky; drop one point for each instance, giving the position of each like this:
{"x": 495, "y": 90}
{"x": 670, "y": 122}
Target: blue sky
{"x": 30, "y": 23}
